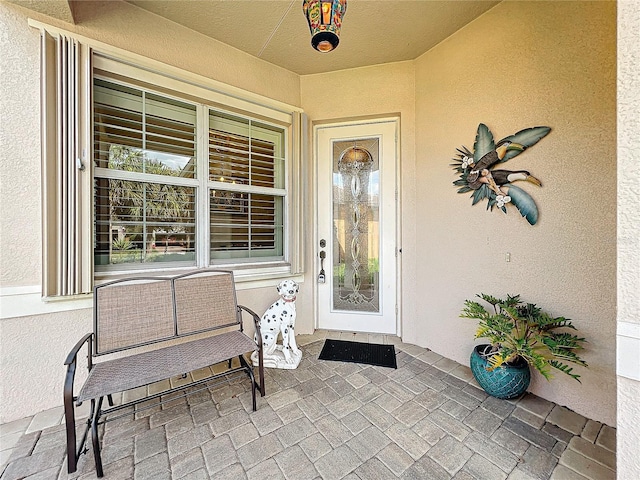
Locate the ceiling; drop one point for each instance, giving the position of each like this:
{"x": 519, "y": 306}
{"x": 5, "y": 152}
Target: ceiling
{"x": 373, "y": 31}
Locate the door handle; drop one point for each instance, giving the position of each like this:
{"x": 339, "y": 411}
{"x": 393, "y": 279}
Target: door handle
{"x": 321, "y": 275}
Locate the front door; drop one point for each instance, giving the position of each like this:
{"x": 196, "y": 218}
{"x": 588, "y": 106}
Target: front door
{"x": 356, "y": 226}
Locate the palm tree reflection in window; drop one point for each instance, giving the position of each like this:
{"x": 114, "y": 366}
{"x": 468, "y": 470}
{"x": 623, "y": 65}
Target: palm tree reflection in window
{"x": 152, "y": 221}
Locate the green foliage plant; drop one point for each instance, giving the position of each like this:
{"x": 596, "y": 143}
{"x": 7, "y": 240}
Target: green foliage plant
{"x": 124, "y": 251}
{"x": 122, "y": 244}
{"x": 523, "y": 332}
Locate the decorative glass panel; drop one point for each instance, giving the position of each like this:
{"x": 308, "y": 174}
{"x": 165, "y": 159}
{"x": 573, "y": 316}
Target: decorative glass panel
{"x": 356, "y": 243}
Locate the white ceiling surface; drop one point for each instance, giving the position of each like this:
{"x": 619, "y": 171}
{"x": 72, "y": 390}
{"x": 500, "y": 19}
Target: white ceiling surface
{"x": 373, "y": 31}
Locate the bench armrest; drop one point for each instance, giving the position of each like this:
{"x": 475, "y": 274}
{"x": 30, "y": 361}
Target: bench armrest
{"x": 74, "y": 351}
{"x": 256, "y": 323}
{"x": 70, "y": 362}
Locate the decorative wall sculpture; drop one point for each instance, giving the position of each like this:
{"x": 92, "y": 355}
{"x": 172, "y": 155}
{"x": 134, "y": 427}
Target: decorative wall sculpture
{"x": 478, "y": 173}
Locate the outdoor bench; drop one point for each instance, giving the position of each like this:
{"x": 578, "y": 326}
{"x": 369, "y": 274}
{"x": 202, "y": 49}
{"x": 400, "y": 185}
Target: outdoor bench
{"x": 184, "y": 323}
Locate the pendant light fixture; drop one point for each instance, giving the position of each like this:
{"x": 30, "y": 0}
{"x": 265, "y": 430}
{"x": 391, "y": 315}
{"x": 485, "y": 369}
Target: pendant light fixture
{"x": 325, "y": 20}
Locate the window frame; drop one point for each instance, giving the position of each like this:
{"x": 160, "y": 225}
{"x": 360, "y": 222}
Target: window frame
{"x": 106, "y": 173}
{"x": 276, "y": 192}
{"x": 202, "y": 184}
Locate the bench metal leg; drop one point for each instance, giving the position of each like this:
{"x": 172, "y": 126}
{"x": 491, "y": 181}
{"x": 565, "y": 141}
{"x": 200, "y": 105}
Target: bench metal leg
{"x": 95, "y": 440}
{"x": 70, "y": 423}
{"x": 74, "y": 450}
{"x": 249, "y": 370}
{"x": 110, "y": 400}
{"x": 261, "y": 372}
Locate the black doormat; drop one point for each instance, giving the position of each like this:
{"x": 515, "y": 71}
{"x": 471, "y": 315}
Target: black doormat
{"x": 358, "y": 352}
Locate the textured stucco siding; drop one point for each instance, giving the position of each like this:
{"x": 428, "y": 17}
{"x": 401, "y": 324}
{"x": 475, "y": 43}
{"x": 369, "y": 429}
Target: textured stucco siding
{"x": 20, "y": 235}
{"x": 628, "y": 448}
{"x": 629, "y": 161}
{"x": 520, "y": 65}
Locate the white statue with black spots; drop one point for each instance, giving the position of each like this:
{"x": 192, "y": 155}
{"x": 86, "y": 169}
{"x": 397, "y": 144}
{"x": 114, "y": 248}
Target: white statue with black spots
{"x": 280, "y": 320}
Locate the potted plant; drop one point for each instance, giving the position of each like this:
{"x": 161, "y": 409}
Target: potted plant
{"x": 521, "y": 336}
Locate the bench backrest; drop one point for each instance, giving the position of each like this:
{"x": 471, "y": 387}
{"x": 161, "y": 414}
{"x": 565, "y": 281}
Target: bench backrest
{"x": 205, "y": 301}
{"x": 134, "y": 312}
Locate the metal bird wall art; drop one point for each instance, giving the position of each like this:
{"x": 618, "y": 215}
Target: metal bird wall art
{"x": 478, "y": 173}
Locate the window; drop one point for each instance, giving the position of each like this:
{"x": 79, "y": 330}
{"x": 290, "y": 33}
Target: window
{"x": 149, "y": 177}
{"x": 246, "y": 168}
{"x": 149, "y": 167}
{"x": 144, "y": 146}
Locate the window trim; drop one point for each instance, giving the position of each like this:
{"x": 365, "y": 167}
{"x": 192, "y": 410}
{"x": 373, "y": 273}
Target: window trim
{"x": 165, "y": 77}
{"x": 139, "y": 61}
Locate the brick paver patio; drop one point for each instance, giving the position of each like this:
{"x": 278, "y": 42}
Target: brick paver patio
{"x": 332, "y": 420}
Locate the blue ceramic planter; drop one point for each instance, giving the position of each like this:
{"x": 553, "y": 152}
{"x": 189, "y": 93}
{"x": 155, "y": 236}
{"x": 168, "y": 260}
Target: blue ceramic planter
{"x": 507, "y": 381}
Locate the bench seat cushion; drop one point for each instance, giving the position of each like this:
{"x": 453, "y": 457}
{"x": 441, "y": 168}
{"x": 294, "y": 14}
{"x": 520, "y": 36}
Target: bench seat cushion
{"x": 134, "y": 371}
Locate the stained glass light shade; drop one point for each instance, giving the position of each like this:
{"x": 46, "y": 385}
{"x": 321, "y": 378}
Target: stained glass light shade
{"x": 325, "y": 21}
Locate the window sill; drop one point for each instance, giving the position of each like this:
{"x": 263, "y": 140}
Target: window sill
{"x": 246, "y": 276}
{"x": 28, "y": 301}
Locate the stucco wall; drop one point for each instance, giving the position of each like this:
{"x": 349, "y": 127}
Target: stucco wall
{"x": 382, "y": 90}
{"x": 628, "y": 162}
{"x": 20, "y": 254}
{"x": 33, "y": 353}
{"x": 33, "y": 347}
{"x": 628, "y": 239}
{"x": 519, "y": 65}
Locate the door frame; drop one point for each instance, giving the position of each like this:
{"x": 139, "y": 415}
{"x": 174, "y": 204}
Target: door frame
{"x": 398, "y": 207}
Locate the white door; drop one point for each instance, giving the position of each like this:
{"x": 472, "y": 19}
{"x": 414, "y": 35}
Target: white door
{"x": 356, "y": 226}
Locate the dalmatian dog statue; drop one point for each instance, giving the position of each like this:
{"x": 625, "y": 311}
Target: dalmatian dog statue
{"x": 280, "y": 319}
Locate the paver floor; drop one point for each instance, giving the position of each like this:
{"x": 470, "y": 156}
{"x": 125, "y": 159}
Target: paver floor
{"x": 427, "y": 419}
